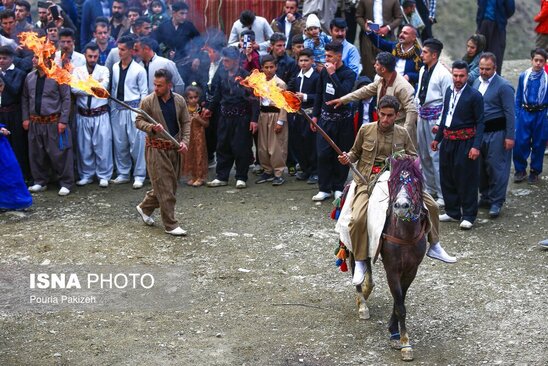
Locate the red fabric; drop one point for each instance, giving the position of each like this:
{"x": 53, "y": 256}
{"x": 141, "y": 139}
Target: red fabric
{"x": 205, "y": 13}
{"x": 542, "y": 18}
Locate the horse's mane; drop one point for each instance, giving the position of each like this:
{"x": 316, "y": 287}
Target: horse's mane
{"x": 410, "y": 165}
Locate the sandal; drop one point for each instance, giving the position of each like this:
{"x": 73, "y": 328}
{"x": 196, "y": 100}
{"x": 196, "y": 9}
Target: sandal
{"x": 198, "y": 183}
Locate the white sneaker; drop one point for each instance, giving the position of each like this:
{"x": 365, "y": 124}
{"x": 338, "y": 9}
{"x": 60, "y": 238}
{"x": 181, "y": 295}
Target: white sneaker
{"x": 103, "y": 183}
{"x": 359, "y": 273}
{"x": 337, "y": 195}
{"x": 437, "y": 252}
{"x": 447, "y": 218}
{"x": 137, "y": 184}
{"x": 466, "y": 225}
{"x": 321, "y": 196}
{"x": 176, "y": 232}
{"x": 83, "y": 182}
{"x": 37, "y": 188}
{"x": 217, "y": 183}
{"x": 63, "y": 191}
{"x": 240, "y": 184}
{"x": 120, "y": 180}
{"x": 440, "y": 202}
{"x": 146, "y": 219}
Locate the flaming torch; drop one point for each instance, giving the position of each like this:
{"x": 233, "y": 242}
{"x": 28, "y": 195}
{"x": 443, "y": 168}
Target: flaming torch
{"x": 290, "y": 102}
{"x": 45, "y": 51}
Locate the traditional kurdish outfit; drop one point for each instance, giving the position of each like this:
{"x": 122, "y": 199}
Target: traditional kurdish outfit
{"x": 195, "y": 160}
{"x": 162, "y": 157}
{"x": 14, "y": 194}
{"x": 46, "y": 103}
{"x": 531, "y": 120}
{"x": 129, "y": 85}
{"x": 433, "y": 84}
{"x": 93, "y": 128}
{"x": 272, "y": 146}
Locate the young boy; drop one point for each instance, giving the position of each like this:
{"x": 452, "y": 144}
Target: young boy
{"x": 297, "y": 45}
{"x": 531, "y": 121}
{"x": 304, "y": 139}
{"x": 249, "y": 54}
{"x": 272, "y": 131}
{"x": 316, "y": 40}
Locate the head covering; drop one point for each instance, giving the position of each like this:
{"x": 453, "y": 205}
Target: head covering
{"x": 433, "y": 44}
{"x": 230, "y": 52}
{"x": 339, "y": 23}
{"x": 312, "y": 21}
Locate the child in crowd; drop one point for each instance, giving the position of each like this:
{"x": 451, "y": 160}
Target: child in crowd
{"x": 156, "y": 12}
{"x": 297, "y": 45}
{"x": 195, "y": 161}
{"x": 249, "y": 54}
{"x": 273, "y": 132}
{"x": 531, "y": 120}
{"x": 14, "y": 194}
{"x": 316, "y": 40}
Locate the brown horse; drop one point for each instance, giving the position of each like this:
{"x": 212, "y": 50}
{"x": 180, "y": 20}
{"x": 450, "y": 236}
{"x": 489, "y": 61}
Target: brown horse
{"x": 404, "y": 243}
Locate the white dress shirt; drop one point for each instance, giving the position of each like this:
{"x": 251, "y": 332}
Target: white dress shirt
{"x": 484, "y": 84}
{"x": 455, "y": 96}
{"x": 377, "y": 12}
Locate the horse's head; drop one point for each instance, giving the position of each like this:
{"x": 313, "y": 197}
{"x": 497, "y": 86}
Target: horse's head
{"x": 405, "y": 187}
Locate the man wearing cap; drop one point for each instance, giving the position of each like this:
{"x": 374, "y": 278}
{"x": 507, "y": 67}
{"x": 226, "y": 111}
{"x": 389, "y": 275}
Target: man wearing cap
{"x": 350, "y": 55}
{"x": 388, "y": 15}
{"x": 46, "y": 109}
{"x": 389, "y": 83}
{"x": 498, "y": 136}
{"x": 239, "y": 112}
{"x": 10, "y": 108}
{"x": 434, "y": 80}
{"x": 407, "y": 51}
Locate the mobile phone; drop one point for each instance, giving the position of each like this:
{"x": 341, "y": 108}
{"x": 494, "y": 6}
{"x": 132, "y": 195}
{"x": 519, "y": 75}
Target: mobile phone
{"x": 374, "y": 27}
{"x": 54, "y": 12}
{"x": 246, "y": 41}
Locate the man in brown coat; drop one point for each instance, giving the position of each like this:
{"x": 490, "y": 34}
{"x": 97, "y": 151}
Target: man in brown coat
{"x": 162, "y": 155}
{"x": 388, "y": 15}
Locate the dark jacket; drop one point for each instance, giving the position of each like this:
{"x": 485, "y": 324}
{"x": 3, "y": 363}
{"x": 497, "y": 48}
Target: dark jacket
{"x": 287, "y": 69}
{"x": 310, "y": 86}
{"x": 468, "y": 113}
{"x": 504, "y": 9}
{"x": 342, "y": 81}
{"x": 177, "y": 40}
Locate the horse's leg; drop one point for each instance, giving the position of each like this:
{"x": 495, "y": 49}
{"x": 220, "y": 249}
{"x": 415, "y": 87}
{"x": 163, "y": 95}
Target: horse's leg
{"x": 406, "y": 349}
{"x": 369, "y": 284}
{"x": 399, "y": 309}
{"x": 363, "y": 310}
{"x": 394, "y": 330}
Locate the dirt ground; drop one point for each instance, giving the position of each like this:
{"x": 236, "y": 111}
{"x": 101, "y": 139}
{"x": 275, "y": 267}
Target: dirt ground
{"x": 263, "y": 287}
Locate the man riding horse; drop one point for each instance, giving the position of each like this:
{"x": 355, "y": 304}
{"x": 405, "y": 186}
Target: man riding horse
{"x": 374, "y": 143}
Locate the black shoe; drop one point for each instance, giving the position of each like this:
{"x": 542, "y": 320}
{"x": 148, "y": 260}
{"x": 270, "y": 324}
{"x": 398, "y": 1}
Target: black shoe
{"x": 313, "y": 179}
{"x": 533, "y": 178}
{"x": 494, "y": 211}
{"x": 278, "y": 181}
{"x": 519, "y": 177}
{"x": 302, "y": 176}
{"x": 265, "y": 177}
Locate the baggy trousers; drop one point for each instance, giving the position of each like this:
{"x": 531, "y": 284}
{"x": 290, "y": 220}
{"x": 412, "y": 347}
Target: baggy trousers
{"x": 305, "y": 141}
{"x": 45, "y": 152}
{"x": 272, "y": 145}
{"x": 430, "y": 160}
{"x": 495, "y": 163}
{"x": 531, "y": 136}
{"x": 129, "y": 144}
{"x": 234, "y": 143}
{"x": 95, "y": 146}
{"x": 163, "y": 170}
{"x": 459, "y": 179}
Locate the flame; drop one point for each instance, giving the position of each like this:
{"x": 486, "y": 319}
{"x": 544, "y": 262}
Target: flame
{"x": 268, "y": 89}
{"x": 45, "y": 52}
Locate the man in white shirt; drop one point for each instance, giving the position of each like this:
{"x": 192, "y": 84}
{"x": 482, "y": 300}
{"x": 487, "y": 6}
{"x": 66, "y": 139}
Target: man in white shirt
{"x": 66, "y": 53}
{"x": 129, "y": 84}
{"x": 94, "y": 133}
{"x": 248, "y": 20}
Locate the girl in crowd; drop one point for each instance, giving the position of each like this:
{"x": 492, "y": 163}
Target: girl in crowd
{"x": 195, "y": 161}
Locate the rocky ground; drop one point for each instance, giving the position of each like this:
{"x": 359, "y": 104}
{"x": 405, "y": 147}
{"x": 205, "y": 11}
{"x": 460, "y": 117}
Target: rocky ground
{"x": 263, "y": 288}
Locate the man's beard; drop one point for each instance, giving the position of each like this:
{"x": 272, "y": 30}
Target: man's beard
{"x": 117, "y": 15}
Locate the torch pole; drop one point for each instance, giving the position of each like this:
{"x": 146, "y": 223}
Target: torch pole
{"x": 332, "y": 143}
{"x": 147, "y": 117}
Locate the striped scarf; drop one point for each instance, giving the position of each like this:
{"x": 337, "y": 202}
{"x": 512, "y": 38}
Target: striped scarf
{"x": 413, "y": 54}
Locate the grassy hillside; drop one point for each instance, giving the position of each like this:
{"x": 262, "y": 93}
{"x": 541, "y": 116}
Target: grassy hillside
{"x": 457, "y": 21}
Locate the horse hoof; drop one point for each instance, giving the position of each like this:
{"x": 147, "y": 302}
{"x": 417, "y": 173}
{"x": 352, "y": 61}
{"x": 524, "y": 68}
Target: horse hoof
{"x": 407, "y": 354}
{"x": 364, "y": 312}
{"x": 395, "y": 344}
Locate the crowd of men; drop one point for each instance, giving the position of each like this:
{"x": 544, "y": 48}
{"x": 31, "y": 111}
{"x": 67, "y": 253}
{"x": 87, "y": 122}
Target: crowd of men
{"x": 123, "y": 44}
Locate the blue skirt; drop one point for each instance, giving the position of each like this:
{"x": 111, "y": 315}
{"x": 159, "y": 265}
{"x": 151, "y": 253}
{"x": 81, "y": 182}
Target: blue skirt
{"x": 14, "y": 194}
